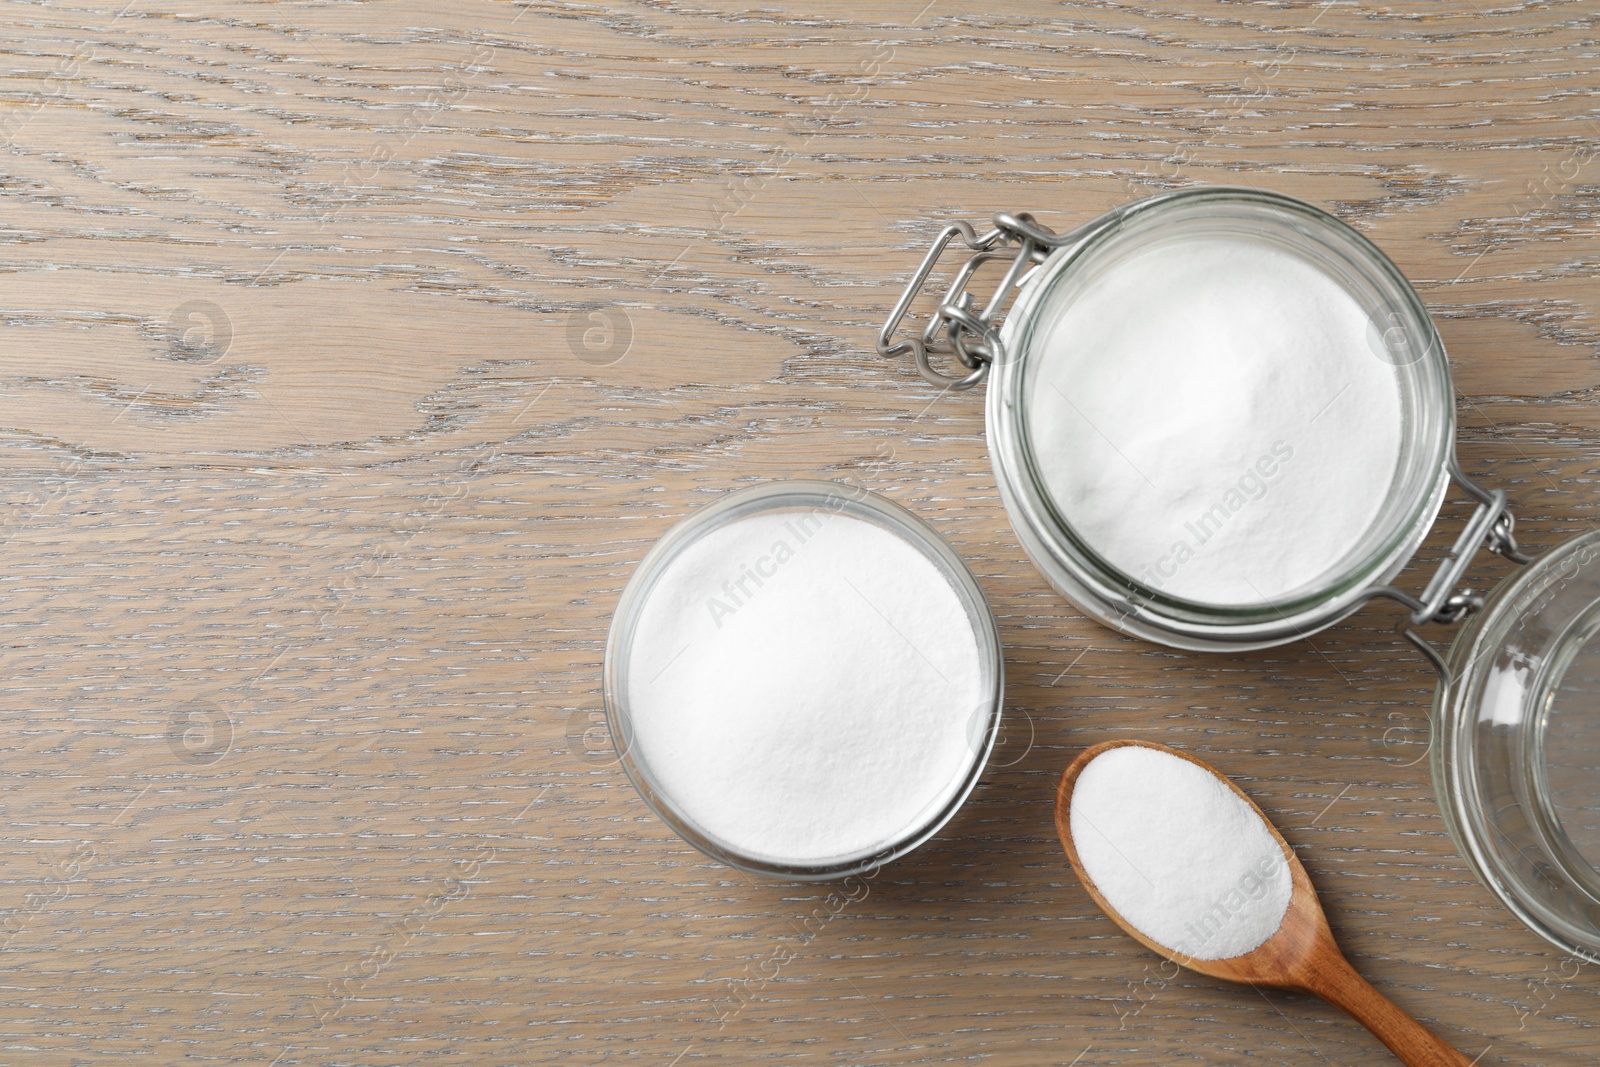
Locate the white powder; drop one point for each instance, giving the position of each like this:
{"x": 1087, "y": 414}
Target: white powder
{"x": 1178, "y": 855}
{"x": 806, "y": 687}
{"x": 1214, "y": 416}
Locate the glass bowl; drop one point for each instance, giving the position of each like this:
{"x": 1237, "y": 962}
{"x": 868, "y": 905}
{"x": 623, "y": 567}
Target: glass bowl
{"x": 646, "y": 758}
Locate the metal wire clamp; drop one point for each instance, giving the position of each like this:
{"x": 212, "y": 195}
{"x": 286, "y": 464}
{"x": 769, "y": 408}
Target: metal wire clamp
{"x": 1492, "y": 526}
{"x": 969, "y": 335}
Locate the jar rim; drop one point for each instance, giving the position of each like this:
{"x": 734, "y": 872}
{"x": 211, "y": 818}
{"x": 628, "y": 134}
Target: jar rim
{"x": 774, "y": 496}
{"x": 1122, "y": 600}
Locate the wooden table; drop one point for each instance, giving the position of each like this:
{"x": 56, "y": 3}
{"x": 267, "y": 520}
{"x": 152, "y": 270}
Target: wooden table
{"x": 355, "y": 353}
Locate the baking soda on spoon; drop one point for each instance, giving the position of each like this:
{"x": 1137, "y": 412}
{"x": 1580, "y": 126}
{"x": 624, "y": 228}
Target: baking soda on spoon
{"x": 1178, "y": 854}
{"x": 1183, "y": 861}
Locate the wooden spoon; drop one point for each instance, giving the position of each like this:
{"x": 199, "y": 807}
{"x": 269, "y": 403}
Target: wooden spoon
{"x": 1302, "y": 955}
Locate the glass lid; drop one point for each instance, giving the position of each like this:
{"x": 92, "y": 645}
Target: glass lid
{"x": 1518, "y": 764}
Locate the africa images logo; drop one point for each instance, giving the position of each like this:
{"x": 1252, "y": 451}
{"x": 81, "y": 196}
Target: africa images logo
{"x": 738, "y": 589}
{"x": 1253, "y": 484}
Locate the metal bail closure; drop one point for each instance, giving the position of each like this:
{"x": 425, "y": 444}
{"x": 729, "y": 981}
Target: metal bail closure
{"x": 958, "y": 329}
{"x": 1492, "y": 526}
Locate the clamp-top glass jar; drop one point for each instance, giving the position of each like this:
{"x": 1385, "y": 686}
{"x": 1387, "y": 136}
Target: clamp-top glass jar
{"x": 1127, "y": 511}
{"x": 1222, "y": 419}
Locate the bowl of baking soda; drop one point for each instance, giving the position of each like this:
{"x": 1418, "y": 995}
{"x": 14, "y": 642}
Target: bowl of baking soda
{"x": 803, "y": 680}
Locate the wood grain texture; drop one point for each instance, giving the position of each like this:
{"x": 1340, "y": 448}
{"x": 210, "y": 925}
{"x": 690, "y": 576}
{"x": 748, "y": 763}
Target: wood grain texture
{"x": 320, "y": 479}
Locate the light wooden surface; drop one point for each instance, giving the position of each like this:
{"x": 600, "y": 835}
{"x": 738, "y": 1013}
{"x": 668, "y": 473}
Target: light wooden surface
{"x": 320, "y": 482}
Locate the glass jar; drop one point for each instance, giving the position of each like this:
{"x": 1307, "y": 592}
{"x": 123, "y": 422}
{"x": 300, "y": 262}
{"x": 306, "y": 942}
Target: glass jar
{"x": 1515, "y": 752}
{"x": 950, "y": 744}
{"x": 1054, "y": 271}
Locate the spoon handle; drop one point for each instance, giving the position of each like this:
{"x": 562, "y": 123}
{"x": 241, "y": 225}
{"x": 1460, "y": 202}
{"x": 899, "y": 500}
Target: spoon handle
{"x": 1414, "y": 1044}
